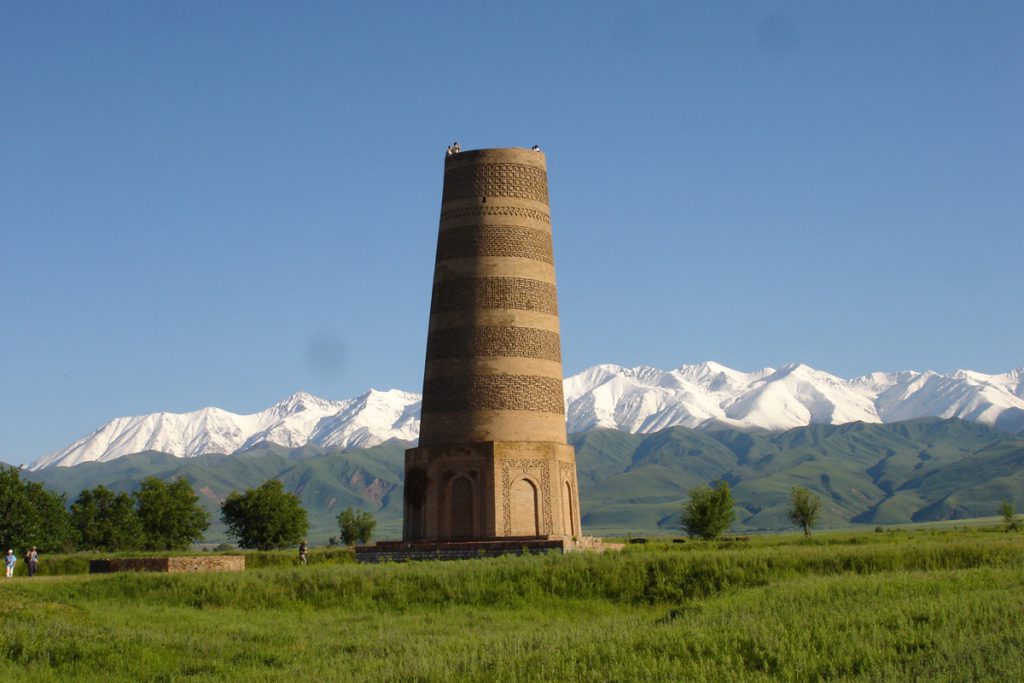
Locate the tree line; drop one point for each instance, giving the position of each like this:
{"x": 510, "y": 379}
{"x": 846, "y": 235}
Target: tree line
{"x": 710, "y": 510}
{"x": 160, "y": 515}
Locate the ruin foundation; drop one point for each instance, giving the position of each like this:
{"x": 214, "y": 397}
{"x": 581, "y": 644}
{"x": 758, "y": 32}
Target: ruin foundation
{"x": 200, "y": 563}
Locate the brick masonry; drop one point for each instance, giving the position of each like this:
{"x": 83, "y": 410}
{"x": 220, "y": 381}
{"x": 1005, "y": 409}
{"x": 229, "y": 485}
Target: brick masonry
{"x": 495, "y": 240}
{"x": 469, "y": 293}
{"x": 496, "y": 180}
{"x": 494, "y": 340}
{"x": 401, "y": 551}
{"x": 493, "y": 392}
{"x": 405, "y": 552}
{"x": 480, "y": 212}
{"x": 492, "y": 461}
{"x": 199, "y": 563}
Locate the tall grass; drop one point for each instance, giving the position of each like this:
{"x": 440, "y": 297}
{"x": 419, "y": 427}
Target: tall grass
{"x": 937, "y": 606}
{"x": 647, "y": 575}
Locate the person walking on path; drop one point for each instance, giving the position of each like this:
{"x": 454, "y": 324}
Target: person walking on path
{"x": 9, "y": 562}
{"x": 33, "y": 560}
{"x": 302, "y": 552}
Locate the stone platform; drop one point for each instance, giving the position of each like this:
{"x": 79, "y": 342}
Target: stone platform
{"x": 201, "y": 563}
{"x": 402, "y": 551}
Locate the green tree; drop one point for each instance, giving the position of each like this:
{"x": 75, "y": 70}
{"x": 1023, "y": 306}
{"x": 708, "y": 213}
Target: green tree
{"x": 170, "y": 514}
{"x": 356, "y": 526}
{"x": 30, "y": 515}
{"x": 803, "y": 508}
{"x": 1010, "y": 522}
{"x": 709, "y": 511}
{"x": 265, "y": 517}
{"x": 106, "y": 520}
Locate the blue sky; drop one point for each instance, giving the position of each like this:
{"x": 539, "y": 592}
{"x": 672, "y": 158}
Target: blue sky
{"x": 224, "y": 203}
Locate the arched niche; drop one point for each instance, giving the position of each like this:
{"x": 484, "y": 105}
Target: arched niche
{"x": 525, "y": 508}
{"x": 462, "y": 508}
{"x": 568, "y": 511}
{"x": 416, "y": 485}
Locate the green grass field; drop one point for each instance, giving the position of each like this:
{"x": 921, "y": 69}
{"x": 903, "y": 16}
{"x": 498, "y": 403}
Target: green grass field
{"x": 922, "y": 604}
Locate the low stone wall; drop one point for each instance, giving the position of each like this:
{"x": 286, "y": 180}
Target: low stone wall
{"x": 213, "y": 563}
{"x": 400, "y": 551}
{"x": 592, "y": 544}
{"x": 199, "y": 563}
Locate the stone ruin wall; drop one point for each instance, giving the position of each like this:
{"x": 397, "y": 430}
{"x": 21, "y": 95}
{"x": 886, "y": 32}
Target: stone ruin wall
{"x": 197, "y": 563}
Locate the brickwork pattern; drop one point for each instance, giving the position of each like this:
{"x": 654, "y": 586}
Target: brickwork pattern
{"x": 493, "y": 392}
{"x": 481, "y": 211}
{"x": 213, "y": 563}
{"x": 495, "y": 240}
{"x": 496, "y": 180}
{"x": 464, "y": 294}
{"x": 497, "y": 340}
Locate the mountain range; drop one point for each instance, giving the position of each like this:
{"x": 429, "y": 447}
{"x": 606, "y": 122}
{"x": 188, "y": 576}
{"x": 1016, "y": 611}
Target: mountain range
{"x": 910, "y": 471}
{"x": 639, "y": 400}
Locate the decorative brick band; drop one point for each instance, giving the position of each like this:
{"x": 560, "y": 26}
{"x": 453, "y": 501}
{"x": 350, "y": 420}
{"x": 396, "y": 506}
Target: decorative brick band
{"x": 493, "y": 392}
{"x": 475, "y": 241}
{"x": 496, "y": 180}
{"x": 481, "y": 211}
{"x": 461, "y": 294}
{"x": 517, "y": 342}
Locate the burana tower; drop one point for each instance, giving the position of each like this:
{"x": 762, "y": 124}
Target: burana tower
{"x": 492, "y": 462}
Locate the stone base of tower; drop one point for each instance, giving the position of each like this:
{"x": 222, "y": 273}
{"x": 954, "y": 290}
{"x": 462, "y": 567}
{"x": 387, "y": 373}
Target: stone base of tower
{"x": 491, "y": 491}
{"x": 401, "y": 551}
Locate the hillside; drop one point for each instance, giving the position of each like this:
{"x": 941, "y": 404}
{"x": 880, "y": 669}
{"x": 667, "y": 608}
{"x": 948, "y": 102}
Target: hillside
{"x": 917, "y": 470}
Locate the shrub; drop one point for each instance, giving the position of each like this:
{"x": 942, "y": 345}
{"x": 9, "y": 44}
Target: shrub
{"x": 803, "y": 508}
{"x": 709, "y": 511}
{"x": 356, "y": 526}
{"x": 1010, "y": 522}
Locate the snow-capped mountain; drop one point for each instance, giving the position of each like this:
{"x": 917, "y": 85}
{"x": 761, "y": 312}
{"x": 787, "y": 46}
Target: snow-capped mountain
{"x": 702, "y": 396}
{"x": 300, "y": 419}
{"x": 641, "y": 399}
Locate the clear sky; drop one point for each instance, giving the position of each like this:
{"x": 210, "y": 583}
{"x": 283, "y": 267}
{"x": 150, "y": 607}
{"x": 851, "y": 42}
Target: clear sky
{"x": 221, "y": 203}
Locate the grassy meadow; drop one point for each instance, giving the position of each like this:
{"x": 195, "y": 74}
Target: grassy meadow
{"x": 922, "y": 604}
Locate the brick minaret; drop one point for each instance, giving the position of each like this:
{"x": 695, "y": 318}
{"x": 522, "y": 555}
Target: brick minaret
{"x": 492, "y": 460}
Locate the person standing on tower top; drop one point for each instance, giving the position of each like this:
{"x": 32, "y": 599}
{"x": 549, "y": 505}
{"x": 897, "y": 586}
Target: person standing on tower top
{"x": 456, "y": 148}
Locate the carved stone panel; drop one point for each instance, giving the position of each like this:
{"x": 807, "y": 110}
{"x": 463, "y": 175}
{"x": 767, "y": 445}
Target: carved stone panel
{"x": 514, "y": 469}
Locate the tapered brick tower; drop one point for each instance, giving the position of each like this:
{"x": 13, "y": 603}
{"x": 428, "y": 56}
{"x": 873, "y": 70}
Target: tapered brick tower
{"x": 492, "y": 461}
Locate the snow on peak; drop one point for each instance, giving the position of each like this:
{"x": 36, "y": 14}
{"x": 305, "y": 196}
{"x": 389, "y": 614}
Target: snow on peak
{"x": 710, "y": 394}
{"x": 292, "y": 422}
{"x": 640, "y": 399}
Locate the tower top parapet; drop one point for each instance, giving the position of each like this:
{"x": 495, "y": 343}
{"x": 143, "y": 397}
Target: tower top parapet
{"x": 524, "y": 155}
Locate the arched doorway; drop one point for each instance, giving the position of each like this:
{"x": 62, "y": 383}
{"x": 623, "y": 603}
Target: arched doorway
{"x": 525, "y": 508}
